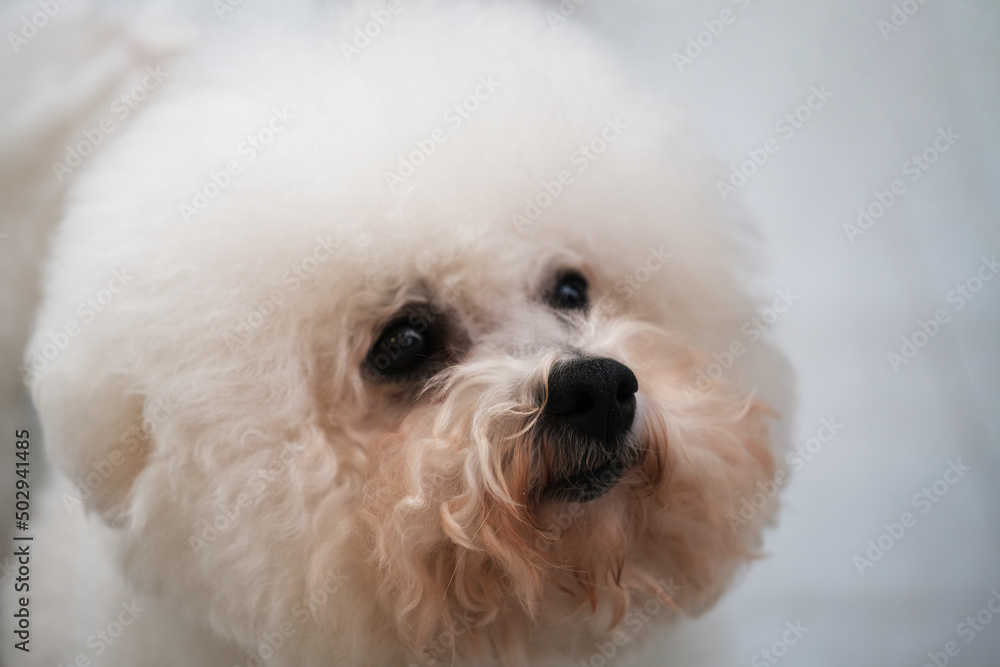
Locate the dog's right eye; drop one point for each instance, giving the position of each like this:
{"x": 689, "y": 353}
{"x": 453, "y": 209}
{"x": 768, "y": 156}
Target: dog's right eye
{"x": 402, "y": 350}
{"x": 570, "y": 292}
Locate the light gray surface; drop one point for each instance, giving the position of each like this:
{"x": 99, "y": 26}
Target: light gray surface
{"x": 941, "y": 69}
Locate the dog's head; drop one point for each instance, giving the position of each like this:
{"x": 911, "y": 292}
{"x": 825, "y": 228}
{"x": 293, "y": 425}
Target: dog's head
{"x": 550, "y": 461}
{"x": 407, "y": 389}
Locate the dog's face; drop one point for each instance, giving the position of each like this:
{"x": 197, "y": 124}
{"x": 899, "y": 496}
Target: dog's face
{"x": 462, "y": 416}
{"x": 540, "y": 455}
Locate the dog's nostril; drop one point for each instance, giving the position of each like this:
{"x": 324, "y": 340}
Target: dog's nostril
{"x": 595, "y": 397}
{"x": 627, "y": 387}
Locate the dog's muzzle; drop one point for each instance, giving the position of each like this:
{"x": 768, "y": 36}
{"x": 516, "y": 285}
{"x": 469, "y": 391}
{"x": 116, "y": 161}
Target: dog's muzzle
{"x": 589, "y": 415}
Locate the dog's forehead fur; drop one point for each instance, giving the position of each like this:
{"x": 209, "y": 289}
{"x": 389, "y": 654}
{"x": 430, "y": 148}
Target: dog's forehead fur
{"x": 480, "y": 199}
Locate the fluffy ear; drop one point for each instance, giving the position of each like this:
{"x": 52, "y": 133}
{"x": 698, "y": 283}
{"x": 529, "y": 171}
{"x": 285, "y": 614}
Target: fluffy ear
{"x": 96, "y": 430}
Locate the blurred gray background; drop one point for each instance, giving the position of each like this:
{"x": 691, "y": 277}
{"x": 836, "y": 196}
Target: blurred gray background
{"x": 895, "y": 78}
{"x": 892, "y": 90}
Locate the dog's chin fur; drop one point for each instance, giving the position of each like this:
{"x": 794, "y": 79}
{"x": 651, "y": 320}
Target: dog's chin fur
{"x": 271, "y": 481}
{"x": 454, "y": 526}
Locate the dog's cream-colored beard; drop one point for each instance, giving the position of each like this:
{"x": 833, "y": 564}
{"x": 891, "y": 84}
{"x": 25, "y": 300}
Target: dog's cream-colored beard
{"x": 460, "y": 532}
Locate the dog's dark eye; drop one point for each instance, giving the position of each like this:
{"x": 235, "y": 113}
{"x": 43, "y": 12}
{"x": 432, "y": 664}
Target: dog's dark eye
{"x": 570, "y": 292}
{"x": 403, "y": 349}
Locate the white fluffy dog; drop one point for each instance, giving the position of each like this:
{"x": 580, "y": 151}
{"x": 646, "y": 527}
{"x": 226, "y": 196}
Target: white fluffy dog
{"x": 386, "y": 340}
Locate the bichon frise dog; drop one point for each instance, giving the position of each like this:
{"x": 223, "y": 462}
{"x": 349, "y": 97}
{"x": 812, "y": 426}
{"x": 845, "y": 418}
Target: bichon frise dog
{"x": 396, "y": 338}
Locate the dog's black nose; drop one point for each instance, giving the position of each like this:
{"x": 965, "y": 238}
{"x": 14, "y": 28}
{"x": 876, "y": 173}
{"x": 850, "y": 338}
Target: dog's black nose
{"x": 594, "y": 397}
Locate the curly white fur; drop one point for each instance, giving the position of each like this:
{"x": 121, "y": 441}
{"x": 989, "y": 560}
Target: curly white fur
{"x": 269, "y": 501}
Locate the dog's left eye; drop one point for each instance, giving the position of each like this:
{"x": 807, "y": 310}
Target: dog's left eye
{"x": 570, "y": 292}
{"x": 402, "y": 349}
